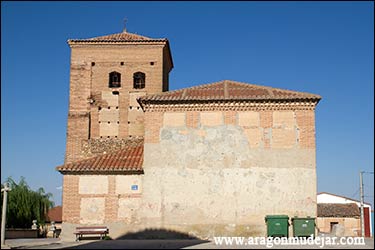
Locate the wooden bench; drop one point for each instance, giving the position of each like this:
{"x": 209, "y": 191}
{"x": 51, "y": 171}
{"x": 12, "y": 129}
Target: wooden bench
{"x": 80, "y": 231}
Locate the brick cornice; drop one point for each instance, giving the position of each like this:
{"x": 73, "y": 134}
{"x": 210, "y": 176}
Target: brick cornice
{"x": 229, "y": 105}
{"x": 73, "y": 43}
{"x": 102, "y": 172}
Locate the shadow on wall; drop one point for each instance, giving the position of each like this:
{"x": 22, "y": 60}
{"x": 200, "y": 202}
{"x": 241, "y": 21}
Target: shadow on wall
{"x": 146, "y": 239}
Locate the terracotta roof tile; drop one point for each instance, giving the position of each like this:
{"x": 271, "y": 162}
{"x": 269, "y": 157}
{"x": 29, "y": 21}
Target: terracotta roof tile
{"x": 55, "y": 214}
{"x": 338, "y": 210}
{"x": 128, "y": 159}
{"x": 229, "y": 90}
{"x": 118, "y": 37}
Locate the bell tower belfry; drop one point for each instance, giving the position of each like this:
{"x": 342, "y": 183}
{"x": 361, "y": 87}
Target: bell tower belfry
{"x": 107, "y": 75}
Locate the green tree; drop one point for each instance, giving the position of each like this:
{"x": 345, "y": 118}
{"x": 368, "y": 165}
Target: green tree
{"x": 26, "y": 205}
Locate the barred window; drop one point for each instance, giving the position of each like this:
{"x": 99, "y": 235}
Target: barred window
{"x": 114, "y": 79}
{"x": 139, "y": 80}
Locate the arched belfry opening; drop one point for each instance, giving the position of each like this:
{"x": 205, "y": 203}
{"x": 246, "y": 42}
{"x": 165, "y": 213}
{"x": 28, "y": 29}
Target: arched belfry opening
{"x": 139, "y": 80}
{"x": 114, "y": 79}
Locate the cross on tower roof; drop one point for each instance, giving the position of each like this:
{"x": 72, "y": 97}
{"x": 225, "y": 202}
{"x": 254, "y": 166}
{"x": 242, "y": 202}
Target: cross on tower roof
{"x": 124, "y": 30}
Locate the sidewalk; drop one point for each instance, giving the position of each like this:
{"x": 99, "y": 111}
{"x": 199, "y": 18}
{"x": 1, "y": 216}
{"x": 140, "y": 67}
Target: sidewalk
{"x": 36, "y": 242}
{"x": 53, "y": 243}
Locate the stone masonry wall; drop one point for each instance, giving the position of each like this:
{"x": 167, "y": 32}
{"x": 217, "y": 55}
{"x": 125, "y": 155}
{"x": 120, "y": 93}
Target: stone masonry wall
{"x": 100, "y": 146}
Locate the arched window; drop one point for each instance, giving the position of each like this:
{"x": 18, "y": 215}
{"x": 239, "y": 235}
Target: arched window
{"x": 114, "y": 79}
{"x": 139, "y": 80}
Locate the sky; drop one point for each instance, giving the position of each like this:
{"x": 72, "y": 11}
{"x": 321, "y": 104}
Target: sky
{"x": 325, "y": 48}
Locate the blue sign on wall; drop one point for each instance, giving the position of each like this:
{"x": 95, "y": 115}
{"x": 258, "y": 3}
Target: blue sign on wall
{"x": 134, "y": 187}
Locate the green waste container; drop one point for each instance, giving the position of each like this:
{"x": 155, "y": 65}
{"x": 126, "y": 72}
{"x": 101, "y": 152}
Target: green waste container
{"x": 303, "y": 227}
{"x": 277, "y": 225}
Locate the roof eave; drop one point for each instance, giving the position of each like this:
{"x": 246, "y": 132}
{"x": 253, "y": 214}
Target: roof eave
{"x": 93, "y": 172}
{"x": 148, "y": 99}
{"x": 72, "y": 42}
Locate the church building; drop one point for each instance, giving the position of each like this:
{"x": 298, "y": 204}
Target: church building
{"x": 209, "y": 160}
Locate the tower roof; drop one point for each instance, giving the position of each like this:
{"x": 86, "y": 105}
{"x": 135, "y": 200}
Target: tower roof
{"x": 229, "y": 90}
{"x": 116, "y": 38}
{"x": 123, "y": 38}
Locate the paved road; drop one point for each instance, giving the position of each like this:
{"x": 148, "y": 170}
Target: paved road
{"x": 157, "y": 244}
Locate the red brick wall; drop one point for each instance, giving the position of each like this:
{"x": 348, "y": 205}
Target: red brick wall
{"x": 153, "y": 124}
{"x": 89, "y": 76}
{"x": 306, "y": 124}
{"x": 71, "y": 200}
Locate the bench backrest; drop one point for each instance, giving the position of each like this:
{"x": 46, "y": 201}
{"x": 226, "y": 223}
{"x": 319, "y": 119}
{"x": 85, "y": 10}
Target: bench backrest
{"x": 92, "y": 228}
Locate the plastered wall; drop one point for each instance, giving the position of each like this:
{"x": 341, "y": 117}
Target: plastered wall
{"x": 352, "y": 226}
{"x": 207, "y": 174}
{"x": 109, "y": 115}
{"x": 100, "y": 200}
{"x": 221, "y": 172}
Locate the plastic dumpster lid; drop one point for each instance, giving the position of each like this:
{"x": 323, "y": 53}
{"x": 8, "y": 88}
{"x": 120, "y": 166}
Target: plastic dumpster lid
{"x": 303, "y": 218}
{"x": 277, "y": 216}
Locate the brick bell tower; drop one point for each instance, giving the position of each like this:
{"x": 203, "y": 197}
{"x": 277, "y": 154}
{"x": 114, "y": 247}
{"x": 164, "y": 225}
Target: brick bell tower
{"x": 107, "y": 75}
